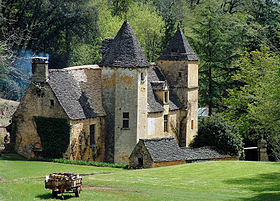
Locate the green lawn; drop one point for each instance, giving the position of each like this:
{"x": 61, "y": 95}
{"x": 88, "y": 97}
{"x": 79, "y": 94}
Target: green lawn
{"x": 230, "y": 180}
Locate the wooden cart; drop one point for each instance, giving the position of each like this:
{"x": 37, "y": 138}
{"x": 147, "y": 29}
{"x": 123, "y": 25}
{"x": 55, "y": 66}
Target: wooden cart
{"x": 61, "y": 183}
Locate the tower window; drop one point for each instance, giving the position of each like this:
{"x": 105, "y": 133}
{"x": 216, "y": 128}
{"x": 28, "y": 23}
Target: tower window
{"x": 51, "y": 103}
{"x": 180, "y": 75}
{"x": 125, "y": 120}
{"x": 91, "y": 134}
{"x": 142, "y": 77}
{"x": 192, "y": 124}
{"x": 166, "y": 97}
{"x": 165, "y": 123}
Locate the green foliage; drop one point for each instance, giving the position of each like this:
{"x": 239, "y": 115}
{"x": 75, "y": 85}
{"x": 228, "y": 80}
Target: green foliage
{"x": 254, "y": 106}
{"x": 120, "y": 8}
{"x": 218, "y": 132}
{"x": 145, "y": 22}
{"x": 216, "y": 38}
{"x": 54, "y": 134}
{"x": 49, "y": 27}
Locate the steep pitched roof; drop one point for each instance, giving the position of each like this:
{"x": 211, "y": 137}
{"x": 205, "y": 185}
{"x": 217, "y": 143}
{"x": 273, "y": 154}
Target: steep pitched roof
{"x": 105, "y": 45}
{"x": 178, "y": 48}
{"x": 155, "y": 81}
{"x": 167, "y": 149}
{"x": 72, "y": 95}
{"x": 124, "y": 50}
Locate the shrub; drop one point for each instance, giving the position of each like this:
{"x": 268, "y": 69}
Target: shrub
{"x": 218, "y": 132}
{"x": 80, "y": 162}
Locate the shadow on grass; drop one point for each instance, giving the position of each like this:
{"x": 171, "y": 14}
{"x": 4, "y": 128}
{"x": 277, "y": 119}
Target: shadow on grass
{"x": 12, "y": 157}
{"x": 48, "y": 196}
{"x": 265, "y": 186}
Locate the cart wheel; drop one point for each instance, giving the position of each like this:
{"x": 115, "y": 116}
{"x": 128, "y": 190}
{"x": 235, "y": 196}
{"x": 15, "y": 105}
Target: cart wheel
{"x": 54, "y": 194}
{"x": 77, "y": 192}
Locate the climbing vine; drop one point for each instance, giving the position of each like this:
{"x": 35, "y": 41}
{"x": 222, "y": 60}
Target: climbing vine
{"x": 54, "y": 134}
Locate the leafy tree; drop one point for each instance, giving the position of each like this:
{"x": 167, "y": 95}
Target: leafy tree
{"x": 254, "y": 106}
{"x": 49, "y": 27}
{"x": 215, "y": 39}
{"x": 120, "y": 8}
{"x": 218, "y": 132}
{"x": 145, "y": 21}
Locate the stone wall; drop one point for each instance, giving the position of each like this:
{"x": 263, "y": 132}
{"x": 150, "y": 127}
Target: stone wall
{"x": 168, "y": 163}
{"x": 36, "y": 102}
{"x": 108, "y": 97}
{"x": 80, "y": 147}
{"x": 131, "y": 97}
{"x": 156, "y": 124}
{"x": 140, "y": 152}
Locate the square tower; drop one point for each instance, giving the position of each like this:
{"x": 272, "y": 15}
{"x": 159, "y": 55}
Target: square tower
{"x": 179, "y": 64}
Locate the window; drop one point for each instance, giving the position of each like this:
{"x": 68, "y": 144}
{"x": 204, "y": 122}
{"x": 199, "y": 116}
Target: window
{"x": 125, "y": 120}
{"x": 142, "y": 77}
{"x": 180, "y": 75}
{"x": 165, "y": 121}
{"x": 192, "y": 124}
{"x": 166, "y": 97}
{"x": 91, "y": 134}
{"x": 51, "y": 103}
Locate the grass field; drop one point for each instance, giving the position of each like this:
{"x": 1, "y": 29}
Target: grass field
{"x": 230, "y": 180}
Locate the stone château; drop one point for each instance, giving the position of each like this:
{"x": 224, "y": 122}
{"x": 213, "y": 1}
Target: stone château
{"x": 114, "y": 105}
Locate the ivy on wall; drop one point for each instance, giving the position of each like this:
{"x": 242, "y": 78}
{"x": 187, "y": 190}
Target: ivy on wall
{"x": 54, "y": 134}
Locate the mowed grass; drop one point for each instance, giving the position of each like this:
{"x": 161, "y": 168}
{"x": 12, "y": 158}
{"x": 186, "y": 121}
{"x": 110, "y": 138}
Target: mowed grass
{"x": 228, "y": 180}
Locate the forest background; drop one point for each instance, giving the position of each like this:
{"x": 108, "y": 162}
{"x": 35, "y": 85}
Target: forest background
{"x": 237, "y": 41}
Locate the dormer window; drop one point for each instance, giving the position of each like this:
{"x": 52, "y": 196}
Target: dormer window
{"x": 51, "y": 103}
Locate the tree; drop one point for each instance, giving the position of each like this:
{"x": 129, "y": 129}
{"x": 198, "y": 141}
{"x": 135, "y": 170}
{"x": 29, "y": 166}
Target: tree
{"x": 254, "y": 106}
{"x": 49, "y": 27}
{"x": 215, "y": 40}
{"x": 120, "y": 8}
{"x": 145, "y": 21}
{"x": 218, "y": 132}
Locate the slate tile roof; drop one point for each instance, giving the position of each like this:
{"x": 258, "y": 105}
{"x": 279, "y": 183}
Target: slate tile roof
{"x": 164, "y": 149}
{"x": 167, "y": 149}
{"x": 72, "y": 96}
{"x": 124, "y": 50}
{"x": 105, "y": 45}
{"x": 178, "y": 48}
{"x": 155, "y": 82}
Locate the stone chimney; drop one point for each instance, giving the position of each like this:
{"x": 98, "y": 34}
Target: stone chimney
{"x": 40, "y": 71}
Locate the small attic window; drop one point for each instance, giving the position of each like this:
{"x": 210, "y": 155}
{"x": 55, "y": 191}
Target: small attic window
{"x": 51, "y": 103}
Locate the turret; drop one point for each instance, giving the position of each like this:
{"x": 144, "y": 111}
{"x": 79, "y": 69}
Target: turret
{"x": 124, "y": 88}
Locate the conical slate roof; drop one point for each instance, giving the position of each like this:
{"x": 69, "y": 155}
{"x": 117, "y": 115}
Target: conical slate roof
{"x": 124, "y": 50}
{"x": 178, "y": 48}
